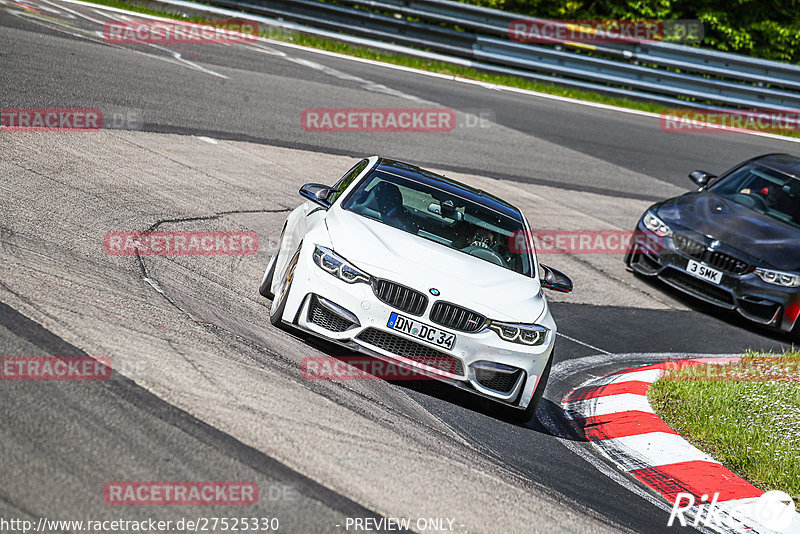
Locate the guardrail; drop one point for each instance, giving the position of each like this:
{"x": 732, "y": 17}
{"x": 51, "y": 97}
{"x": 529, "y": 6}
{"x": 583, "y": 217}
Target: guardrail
{"x": 670, "y": 74}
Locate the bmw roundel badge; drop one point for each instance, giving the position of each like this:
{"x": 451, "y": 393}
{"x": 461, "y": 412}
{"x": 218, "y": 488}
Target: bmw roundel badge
{"x": 435, "y": 292}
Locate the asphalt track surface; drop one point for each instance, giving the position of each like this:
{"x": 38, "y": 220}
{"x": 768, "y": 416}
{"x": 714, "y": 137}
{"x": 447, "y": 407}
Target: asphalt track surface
{"x": 60, "y": 447}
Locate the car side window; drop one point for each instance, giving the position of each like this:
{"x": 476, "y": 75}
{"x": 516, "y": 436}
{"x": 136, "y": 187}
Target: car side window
{"x": 347, "y": 179}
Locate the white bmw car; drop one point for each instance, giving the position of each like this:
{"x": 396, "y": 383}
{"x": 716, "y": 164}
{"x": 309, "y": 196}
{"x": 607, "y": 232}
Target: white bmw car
{"x": 408, "y": 266}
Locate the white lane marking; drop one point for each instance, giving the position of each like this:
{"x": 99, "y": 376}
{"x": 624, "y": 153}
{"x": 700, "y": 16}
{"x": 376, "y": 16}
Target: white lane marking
{"x": 76, "y": 13}
{"x": 44, "y": 8}
{"x": 330, "y": 71}
{"x": 649, "y": 375}
{"x": 188, "y": 63}
{"x": 486, "y": 85}
{"x": 366, "y": 84}
{"x": 267, "y": 50}
{"x": 52, "y": 24}
{"x": 497, "y": 87}
{"x": 582, "y": 343}
{"x": 653, "y": 449}
{"x": 177, "y": 58}
{"x": 624, "y": 402}
{"x": 112, "y": 16}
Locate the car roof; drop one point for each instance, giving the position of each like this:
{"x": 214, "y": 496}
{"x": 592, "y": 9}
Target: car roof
{"x": 785, "y": 163}
{"x": 448, "y": 185}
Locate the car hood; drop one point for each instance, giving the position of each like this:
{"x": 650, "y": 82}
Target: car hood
{"x": 738, "y": 226}
{"x": 390, "y": 253}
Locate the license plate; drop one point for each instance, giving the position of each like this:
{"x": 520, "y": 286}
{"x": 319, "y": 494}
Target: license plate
{"x": 422, "y": 331}
{"x": 703, "y": 271}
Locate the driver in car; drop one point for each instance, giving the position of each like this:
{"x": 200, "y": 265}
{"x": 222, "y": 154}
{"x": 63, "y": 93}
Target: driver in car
{"x": 482, "y": 238}
{"x": 467, "y": 235}
{"x": 777, "y": 199}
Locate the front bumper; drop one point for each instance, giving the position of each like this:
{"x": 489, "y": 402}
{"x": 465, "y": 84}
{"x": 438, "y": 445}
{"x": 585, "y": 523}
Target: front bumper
{"x": 352, "y": 316}
{"x": 744, "y": 292}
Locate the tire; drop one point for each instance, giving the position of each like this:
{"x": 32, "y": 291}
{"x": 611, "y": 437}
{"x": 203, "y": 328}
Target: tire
{"x": 265, "y": 289}
{"x": 266, "y": 283}
{"x": 276, "y": 312}
{"x": 525, "y": 416}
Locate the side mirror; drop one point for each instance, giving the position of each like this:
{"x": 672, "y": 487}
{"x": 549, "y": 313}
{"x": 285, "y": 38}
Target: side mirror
{"x": 701, "y": 178}
{"x": 318, "y": 193}
{"x": 555, "y": 280}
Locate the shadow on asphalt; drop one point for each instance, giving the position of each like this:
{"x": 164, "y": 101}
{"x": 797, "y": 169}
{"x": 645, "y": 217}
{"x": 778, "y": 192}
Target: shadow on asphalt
{"x": 729, "y": 317}
{"x": 464, "y": 399}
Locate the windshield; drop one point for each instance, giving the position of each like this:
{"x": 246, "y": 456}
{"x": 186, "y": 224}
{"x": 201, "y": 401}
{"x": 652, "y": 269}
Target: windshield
{"x": 441, "y": 217}
{"x": 764, "y": 190}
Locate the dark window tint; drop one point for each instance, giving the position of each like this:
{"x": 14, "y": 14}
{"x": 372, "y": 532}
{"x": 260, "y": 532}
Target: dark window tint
{"x": 764, "y": 190}
{"x": 347, "y": 179}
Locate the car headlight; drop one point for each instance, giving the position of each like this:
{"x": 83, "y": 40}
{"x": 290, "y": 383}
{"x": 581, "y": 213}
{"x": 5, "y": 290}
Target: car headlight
{"x": 656, "y": 225}
{"x": 339, "y": 267}
{"x": 526, "y": 334}
{"x": 779, "y": 278}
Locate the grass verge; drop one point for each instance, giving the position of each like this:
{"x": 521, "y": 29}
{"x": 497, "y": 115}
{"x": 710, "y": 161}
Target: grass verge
{"x": 744, "y": 414}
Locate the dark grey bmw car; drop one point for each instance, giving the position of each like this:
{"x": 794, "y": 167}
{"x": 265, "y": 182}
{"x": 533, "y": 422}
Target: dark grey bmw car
{"x": 735, "y": 242}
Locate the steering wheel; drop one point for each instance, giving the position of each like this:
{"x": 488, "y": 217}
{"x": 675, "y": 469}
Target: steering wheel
{"x": 752, "y": 201}
{"x": 485, "y": 254}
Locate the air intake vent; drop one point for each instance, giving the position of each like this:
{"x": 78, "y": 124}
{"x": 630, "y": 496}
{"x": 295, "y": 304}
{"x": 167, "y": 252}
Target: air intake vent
{"x": 497, "y": 380}
{"x": 324, "y": 317}
{"x": 698, "y": 287}
{"x": 412, "y": 350}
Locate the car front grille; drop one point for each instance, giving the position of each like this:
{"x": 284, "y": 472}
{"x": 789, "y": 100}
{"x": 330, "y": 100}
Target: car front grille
{"x": 456, "y": 317}
{"x": 401, "y": 297}
{"x": 497, "y": 380}
{"x": 697, "y": 287}
{"x": 322, "y": 316}
{"x": 411, "y": 350}
{"x": 714, "y": 258}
